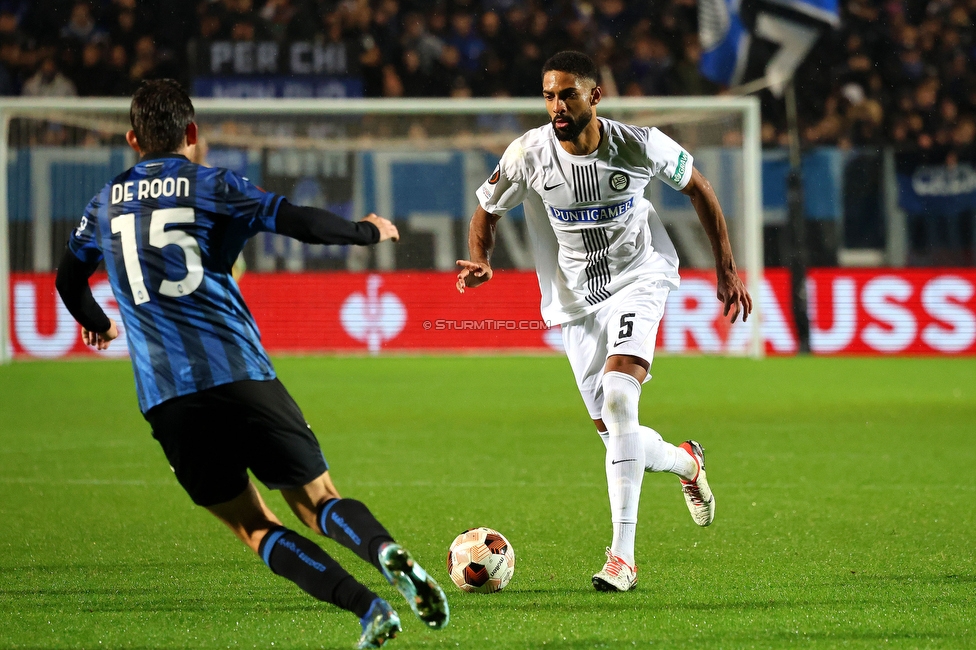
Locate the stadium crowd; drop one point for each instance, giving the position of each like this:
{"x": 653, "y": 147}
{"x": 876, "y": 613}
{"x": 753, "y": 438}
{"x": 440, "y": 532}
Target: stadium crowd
{"x": 899, "y": 71}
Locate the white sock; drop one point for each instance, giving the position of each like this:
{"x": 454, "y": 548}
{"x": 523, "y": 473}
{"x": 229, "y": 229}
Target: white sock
{"x": 625, "y": 459}
{"x": 623, "y": 538}
{"x": 661, "y": 456}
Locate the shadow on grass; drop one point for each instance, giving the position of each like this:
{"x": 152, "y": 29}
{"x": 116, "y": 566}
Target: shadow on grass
{"x": 127, "y": 566}
{"x": 142, "y": 600}
{"x": 952, "y": 578}
{"x": 613, "y": 605}
{"x": 114, "y": 599}
{"x": 773, "y": 639}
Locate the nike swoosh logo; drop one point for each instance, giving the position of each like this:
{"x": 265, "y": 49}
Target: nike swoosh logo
{"x": 547, "y": 188}
{"x": 618, "y": 343}
{"x": 625, "y": 460}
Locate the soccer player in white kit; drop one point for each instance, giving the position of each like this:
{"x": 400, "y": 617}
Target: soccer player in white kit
{"x": 606, "y": 265}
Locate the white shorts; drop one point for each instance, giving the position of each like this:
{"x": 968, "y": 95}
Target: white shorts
{"x": 626, "y": 324}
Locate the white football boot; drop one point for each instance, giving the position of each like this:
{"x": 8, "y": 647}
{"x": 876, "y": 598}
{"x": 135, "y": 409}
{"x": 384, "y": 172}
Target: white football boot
{"x": 698, "y": 496}
{"x": 616, "y": 575}
{"x": 423, "y": 594}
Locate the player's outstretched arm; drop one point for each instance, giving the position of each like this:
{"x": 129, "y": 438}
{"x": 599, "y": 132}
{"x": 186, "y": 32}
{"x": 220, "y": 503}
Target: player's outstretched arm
{"x": 481, "y": 242}
{"x": 731, "y": 290}
{"x": 317, "y": 226}
{"x": 97, "y": 329}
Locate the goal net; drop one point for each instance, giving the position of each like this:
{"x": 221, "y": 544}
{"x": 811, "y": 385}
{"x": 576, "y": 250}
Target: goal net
{"x": 417, "y": 162}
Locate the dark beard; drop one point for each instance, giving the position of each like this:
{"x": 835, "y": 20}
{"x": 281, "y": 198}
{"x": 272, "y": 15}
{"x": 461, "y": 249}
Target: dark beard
{"x": 575, "y": 127}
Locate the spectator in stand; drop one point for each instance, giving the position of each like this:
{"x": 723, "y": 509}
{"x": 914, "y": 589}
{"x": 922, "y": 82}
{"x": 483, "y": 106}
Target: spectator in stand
{"x": 447, "y": 74}
{"x": 246, "y": 28}
{"x": 278, "y": 15}
{"x": 227, "y": 13}
{"x": 371, "y": 67}
{"x": 830, "y": 127}
{"x": 210, "y": 26}
{"x": 685, "y": 77}
{"x": 412, "y": 77}
{"x": 912, "y": 67}
{"x": 437, "y": 23}
{"x": 525, "y": 79}
{"x": 947, "y": 119}
{"x": 392, "y": 86}
{"x": 541, "y": 33}
{"x": 49, "y": 82}
{"x": 12, "y": 41}
{"x": 493, "y": 33}
{"x": 82, "y": 26}
{"x": 123, "y": 31}
{"x": 144, "y": 63}
{"x": 677, "y": 21}
{"x": 92, "y": 79}
{"x": 649, "y": 72}
{"x": 955, "y": 74}
{"x": 8, "y": 85}
{"x": 613, "y": 18}
{"x": 385, "y": 29}
{"x": 466, "y": 41}
{"x": 416, "y": 37}
{"x": 964, "y": 135}
{"x": 858, "y": 66}
{"x": 578, "y": 34}
{"x": 517, "y": 19}
{"x": 10, "y": 31}
{"x": 488, "y": 80}
{"x": 864, "y": 118}
{"x": 117, "y": 72}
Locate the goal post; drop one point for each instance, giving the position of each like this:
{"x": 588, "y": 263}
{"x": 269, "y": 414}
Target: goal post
{"x": 59, "y": 152}
{"x": 6, "y": 350}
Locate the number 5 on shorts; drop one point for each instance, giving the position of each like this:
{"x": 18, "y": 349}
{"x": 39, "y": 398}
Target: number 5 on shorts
{"x": 626, "y": 325}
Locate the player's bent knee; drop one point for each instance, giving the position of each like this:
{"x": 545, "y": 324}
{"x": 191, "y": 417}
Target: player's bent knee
{"x": 621, "y": 394}
{"x": 250, "y": 530}
{"x": 617, "y": 399}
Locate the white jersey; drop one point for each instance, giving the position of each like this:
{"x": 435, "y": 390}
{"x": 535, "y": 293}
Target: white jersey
{"x": 592, "y": 228}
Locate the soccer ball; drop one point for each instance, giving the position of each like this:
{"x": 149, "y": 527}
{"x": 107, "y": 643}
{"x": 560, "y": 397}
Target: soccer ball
{"x": 481, "y": 561}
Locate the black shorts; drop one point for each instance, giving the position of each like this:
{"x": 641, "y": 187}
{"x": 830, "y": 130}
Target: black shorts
{"x": 211, "y": 438}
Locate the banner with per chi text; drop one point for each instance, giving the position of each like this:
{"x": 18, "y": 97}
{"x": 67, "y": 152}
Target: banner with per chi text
{"x": 864, "y": 312}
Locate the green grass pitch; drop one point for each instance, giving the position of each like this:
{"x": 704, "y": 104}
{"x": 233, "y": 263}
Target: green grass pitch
{"x": 844, "y": 490}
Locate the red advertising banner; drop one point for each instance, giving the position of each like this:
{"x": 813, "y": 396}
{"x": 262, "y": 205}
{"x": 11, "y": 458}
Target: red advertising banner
{"x": 917, "y": 311}
{"x": 878, "y": 311}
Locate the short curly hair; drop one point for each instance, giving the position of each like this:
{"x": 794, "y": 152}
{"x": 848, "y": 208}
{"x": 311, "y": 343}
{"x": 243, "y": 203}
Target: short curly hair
{"x": 575, "y": 63}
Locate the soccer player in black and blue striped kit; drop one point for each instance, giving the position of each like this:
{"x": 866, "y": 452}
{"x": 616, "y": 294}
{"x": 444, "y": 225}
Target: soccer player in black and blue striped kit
{"x": 169, "y": 232}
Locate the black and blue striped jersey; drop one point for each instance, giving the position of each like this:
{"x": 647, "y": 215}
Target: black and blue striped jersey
{"x": 169, "y": 232}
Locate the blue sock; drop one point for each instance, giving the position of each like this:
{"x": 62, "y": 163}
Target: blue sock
{"x": 300, "y": 560}
{"x": 350, "y": 523}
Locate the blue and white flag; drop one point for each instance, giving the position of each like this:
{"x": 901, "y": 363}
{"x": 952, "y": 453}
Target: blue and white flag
{"x": 727, "y": 29}
{"x": 724, "y": 41}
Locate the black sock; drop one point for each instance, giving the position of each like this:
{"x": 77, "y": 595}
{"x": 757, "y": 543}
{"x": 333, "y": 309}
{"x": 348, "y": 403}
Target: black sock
{"x": 350, "y": 523}
{"x": 303, "y": 562}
